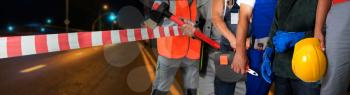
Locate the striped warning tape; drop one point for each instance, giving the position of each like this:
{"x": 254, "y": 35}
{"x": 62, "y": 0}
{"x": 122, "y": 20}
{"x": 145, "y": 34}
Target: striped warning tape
{"x": 37, "y": 44}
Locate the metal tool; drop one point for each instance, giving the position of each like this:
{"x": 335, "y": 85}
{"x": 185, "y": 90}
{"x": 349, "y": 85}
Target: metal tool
{"x": 252, "y": 72}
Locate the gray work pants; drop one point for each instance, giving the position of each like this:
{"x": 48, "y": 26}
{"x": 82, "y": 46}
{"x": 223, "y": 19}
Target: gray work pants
{"x": 337, "y": 78}
{"x": 206, "y": 83}
{"x": 166, "y": 71}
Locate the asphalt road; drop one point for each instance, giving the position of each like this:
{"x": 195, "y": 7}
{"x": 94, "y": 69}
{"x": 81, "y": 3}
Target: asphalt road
{"x": 124, "y": 69}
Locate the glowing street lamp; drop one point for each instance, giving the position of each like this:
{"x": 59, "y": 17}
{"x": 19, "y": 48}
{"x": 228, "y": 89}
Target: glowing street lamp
{"x": 105, "y": 7}
{"x": 10, "y": 28}
{"x": 112, "y": 17}
{"x": 42, "y": 29}
{"x": 48, "y": 21}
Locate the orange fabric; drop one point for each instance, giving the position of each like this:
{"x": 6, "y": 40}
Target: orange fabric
{"x": 272, "y": 89}
{"x": 181, "y": 46}
{"x": 223, "y": 59}
{"x": 339, "y": 1}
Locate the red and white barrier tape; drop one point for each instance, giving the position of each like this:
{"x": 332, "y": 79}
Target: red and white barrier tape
{"x": 37, "y": 44}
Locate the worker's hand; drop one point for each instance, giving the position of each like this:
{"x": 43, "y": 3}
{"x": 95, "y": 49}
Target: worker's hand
{"x": 188, "y": 28}
{"x": 319, "y": 35}
{"x": 247, "y": 43}
{"x": 233, "y": 45}
{"x": 240, "y": 62}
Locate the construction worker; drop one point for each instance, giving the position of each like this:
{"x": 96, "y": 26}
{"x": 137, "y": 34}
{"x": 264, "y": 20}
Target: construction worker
{"x": 261, "y": 12}
{"x": 207, "y": 67}
{"x": 225, "y": 19}
{"x": 337, "y": 78}
{"x": 294, "y": 20}
{"x": 178, "y": 52}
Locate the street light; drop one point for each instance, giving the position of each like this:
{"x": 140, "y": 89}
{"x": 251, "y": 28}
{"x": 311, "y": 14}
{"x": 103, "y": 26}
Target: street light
{"x": 112, "y": 17}
{"x": 42, "y": 29}
{"x": 10, "y": 28}
{"x": 105, "y": 7}
{"x": 48, "y": 21}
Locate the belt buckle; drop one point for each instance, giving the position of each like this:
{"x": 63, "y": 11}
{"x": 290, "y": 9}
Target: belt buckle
{"x": 261, "y": 43}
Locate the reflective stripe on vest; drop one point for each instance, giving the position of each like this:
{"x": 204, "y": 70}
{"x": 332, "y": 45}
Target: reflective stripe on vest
{"x": 181, "y": 46}
{"x": 263, "y": 14}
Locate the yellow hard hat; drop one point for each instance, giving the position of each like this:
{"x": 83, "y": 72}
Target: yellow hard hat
{"x": 309, "y": 61}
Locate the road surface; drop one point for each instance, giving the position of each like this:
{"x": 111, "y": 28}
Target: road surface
{"x": 124, "y": 69}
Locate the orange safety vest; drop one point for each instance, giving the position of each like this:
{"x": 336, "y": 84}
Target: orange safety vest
{"x": 339, "y": 1}
{"x": 181, "y": 46}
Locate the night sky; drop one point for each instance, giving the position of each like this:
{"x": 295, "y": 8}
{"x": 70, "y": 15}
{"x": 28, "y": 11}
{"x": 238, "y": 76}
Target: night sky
{"x": 82, "y": 12}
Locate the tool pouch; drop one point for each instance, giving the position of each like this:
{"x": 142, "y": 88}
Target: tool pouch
{"x": 223, "y": 61}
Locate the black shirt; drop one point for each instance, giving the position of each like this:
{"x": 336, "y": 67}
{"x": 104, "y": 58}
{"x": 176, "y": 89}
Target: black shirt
{"x": 291, "y": 16}
{"x": 295, "y": 15}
